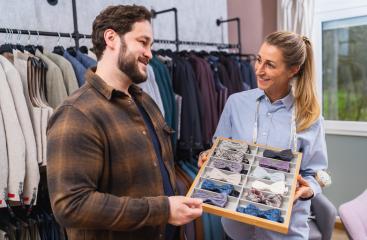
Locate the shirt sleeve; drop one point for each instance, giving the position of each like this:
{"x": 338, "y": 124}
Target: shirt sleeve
{"x": 75, "y": 165}
{"x": 313, "y": 147}
{"x": 224, "y": 128}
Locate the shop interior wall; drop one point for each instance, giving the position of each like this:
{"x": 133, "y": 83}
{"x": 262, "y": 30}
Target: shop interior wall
{"x": 196, "y": 19}
{"x": 258, "y": 19}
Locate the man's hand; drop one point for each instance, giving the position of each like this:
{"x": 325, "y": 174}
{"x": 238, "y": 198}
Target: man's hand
{"x": 303, "y": 189}
{"x": 203, "y": 157}
{"x": 184, "y": 209}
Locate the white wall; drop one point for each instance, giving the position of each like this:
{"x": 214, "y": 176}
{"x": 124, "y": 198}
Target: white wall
{"x": 196, "y": 19}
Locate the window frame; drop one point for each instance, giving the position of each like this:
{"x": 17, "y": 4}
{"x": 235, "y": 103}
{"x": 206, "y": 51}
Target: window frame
{"x": 329, "y": 10}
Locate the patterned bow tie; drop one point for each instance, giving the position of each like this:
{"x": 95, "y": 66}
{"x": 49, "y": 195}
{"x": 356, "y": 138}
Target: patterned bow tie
{"x": 274, "y": 200}
{"x": 229, "y": 166}
{"x": 213, "y": 198}
{"x": 260, "y": 172}
{"x": 277, "y": 187}
{"x": 285, "y": 155}
{"x": 225, "y": 188}
{"x": 234, "y": 178}
{"x": 271, "y": 214}
{"x": 274, "y": 164}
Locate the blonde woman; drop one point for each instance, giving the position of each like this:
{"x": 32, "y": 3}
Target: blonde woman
{"x": 282, "y": 112}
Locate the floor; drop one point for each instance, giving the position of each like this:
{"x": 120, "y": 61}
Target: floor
{"x": 339, "y": 234}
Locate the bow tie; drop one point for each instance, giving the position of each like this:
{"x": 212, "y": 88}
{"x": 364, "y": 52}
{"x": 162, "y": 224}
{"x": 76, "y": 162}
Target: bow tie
{"x": 274, "y": 164}
{"x": 229, "y": 166}
{"x": 229, "y": 154}
{"x": 285, "y": 155}
{"x": 271, "y": 214}
{"x": 260, "y": 172}
{"x": 213, "y": 198}
{"x": 233, "y": 178}
{"x": 277, "y": 187}
{"x": 254, "y": 195}
{"x": 227, "y": 189}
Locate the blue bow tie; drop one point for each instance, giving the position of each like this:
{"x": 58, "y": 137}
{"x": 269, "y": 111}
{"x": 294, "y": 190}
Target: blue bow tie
{"x": 271, "y": 214}
{"x": 225, "y": 188}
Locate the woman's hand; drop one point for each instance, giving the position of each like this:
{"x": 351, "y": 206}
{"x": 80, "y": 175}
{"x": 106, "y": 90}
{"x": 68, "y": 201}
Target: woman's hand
{"x": 203, "y": 157}
{"x": 303, "y": 189}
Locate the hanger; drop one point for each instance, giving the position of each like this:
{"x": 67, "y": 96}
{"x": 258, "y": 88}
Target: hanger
{"x": 58, "y": 49}
{"x": 83, "y": 49}
{"x": 71, "y": 49}
{"x": 6, "y": 47}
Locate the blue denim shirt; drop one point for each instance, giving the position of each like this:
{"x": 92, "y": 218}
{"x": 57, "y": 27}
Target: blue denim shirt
{"x": 274, "y": 123}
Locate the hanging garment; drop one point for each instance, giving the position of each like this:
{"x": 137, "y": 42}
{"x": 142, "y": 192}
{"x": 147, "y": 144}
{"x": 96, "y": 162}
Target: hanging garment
{"x": 79, "y": 69}
{"x": 31, "y": 166}
{"x": 3, "y": 162}
{"x": 150, "y": 86}
{"x": 56, "y": 91}
{"x": 20, "y": 63}
{"x": 14, "y": 139}
{"x": 68, "y": 74}
{"x": 85, "y": 60}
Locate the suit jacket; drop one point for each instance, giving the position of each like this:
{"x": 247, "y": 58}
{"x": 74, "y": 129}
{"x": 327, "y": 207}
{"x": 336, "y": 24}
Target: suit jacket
{"x": 32, "y": 176}
{"x": 70, "y": 81}
{"x": 20, "y": 63}
{"x": 3, "y": 161}
{"x": 14, "y": 139}
{"x": 56, "y": 90}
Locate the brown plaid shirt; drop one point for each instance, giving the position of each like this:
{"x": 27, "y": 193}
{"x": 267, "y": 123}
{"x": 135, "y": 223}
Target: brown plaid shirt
{"x": 103, "y": 173}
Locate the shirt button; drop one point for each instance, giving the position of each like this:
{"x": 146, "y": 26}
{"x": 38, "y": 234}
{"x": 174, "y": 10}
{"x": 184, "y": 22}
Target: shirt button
{"x": 268, "y": 114}
{"x": 129, "y": 101}
{"x": 144, "y": 132}
{"x": 155, "y": 164}
{"x": 264, "y": 133}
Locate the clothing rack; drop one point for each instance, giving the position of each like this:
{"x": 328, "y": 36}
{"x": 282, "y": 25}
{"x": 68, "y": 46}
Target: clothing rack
{"x": 236, "y": 19}
{"x": 177, "y": 42}
{"x": 77, "y": 36}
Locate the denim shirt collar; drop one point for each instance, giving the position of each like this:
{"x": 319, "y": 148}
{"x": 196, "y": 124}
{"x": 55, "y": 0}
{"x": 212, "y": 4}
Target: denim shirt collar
{"x": 287, "y": 101}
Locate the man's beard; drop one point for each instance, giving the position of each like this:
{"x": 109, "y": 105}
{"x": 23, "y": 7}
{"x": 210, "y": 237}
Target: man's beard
{"x": 128, "y": 65}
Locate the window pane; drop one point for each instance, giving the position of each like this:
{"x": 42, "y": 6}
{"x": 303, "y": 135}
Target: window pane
{"x": 344, "y": 69}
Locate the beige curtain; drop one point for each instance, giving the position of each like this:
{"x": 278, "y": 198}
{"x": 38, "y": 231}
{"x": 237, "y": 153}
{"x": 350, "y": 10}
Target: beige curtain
{"x": 296, "y": 16}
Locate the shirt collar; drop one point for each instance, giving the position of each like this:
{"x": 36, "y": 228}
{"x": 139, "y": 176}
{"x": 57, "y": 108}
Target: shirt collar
{"x": 106, "y": 90}
{"x": 287, "y": 101}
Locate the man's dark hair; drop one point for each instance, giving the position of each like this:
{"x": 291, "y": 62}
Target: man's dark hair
{"x": 120, "y": 18}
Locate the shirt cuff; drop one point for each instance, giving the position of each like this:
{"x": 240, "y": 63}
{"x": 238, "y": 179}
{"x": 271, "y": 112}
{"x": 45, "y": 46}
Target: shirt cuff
{"x": 315, "y": 186}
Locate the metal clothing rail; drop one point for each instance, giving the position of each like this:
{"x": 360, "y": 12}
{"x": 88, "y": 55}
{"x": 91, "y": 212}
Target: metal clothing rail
{"x": 237, "y": 19}
{"x": 177, "y": 42}
{"x": 75, "y": 36}
{"x": 174, "y": 10}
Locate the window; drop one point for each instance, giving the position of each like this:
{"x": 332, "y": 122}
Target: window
{"x": 344, "y": 69}
{"x": 340, "y": 44}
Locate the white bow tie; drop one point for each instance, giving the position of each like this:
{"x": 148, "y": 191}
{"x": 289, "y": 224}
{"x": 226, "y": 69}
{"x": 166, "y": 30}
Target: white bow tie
{"x": 277, "y": 187}
{"x": 234, "y": 178}
{"x": 260, "y": 172}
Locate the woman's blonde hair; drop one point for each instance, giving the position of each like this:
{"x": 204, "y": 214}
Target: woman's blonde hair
{"x": 297, "y": 51}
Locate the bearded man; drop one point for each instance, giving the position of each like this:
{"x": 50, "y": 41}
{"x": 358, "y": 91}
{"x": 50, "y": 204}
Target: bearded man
{"x": 110, "y": 161}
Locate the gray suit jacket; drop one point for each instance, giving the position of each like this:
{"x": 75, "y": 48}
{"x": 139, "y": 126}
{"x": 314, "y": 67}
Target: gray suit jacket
{"x": 70, "y": 81}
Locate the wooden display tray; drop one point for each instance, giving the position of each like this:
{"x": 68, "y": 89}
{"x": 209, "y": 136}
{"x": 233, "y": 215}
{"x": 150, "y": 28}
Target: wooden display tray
{"x": 229, "y": 211}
